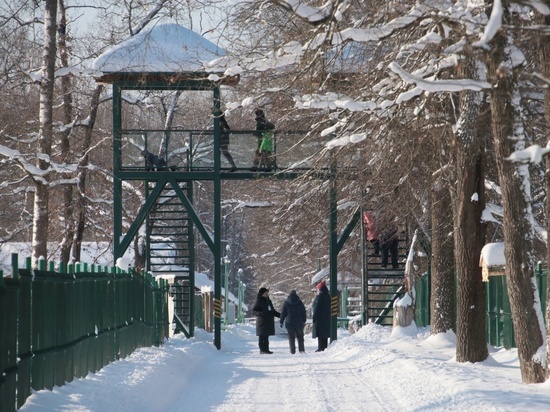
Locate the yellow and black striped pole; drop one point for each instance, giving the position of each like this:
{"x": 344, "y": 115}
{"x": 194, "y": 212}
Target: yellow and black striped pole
{"x": 217, "y": 308}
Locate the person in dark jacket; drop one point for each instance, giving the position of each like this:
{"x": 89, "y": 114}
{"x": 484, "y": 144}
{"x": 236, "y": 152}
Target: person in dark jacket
{"x": 152, "y": 161}
{"x": 321, "y": 317}
{"x": 293, "y": 315}
{"x": 224, "y": 142}
{"x": 265, "y": 319}
{"x": 389, "y": 245}
{"x": 263, "y": 126}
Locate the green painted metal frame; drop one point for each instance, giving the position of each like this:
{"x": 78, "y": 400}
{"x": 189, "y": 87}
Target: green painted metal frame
{"x": 165, "y": 81}
{"x": 122, "y": 241}
{"x": 333, "y": 252}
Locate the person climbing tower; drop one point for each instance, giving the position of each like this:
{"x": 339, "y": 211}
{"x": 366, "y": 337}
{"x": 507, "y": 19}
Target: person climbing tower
{"x": 264, "y": 134}
{"x": 371, "y": 233}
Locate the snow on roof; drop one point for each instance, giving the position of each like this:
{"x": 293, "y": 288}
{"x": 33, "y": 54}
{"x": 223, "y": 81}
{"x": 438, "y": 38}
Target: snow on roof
{"x": 492, "y": 254}
{"x": 163, "y": 48}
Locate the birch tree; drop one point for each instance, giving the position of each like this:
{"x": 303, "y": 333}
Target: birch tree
{"x": 45, "y": 138}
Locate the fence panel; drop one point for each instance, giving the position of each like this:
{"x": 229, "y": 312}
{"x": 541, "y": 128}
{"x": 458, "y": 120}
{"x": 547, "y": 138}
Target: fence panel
{"x": 500, "y": 329}
{"x": 9, "y": 304}
{"x": 56, "y": 326}
{"x": 422, "y": 309}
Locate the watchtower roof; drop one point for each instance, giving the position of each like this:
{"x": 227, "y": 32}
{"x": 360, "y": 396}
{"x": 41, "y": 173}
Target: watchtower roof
{"x": 163, "y": 50}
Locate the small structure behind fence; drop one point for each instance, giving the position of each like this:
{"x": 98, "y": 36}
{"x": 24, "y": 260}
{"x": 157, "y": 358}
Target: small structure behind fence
{"x": 498, "y": 315}
{"x": 59, "y": 325}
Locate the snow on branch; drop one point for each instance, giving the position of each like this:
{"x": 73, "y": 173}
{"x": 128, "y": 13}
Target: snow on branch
{"x": 315, "y": 15}
{"x": 376, "y": 34}
{"x": 531, "y": 154}
{"x": 287, "y": 55}
{"x": 333, "y": 101}
{"x": 345, "y": 140}
{"x": 36, "y": 172}
{"x": 492, "y": 27}
{"x": 538, "y": 5}
{"x": 439, "y": 85}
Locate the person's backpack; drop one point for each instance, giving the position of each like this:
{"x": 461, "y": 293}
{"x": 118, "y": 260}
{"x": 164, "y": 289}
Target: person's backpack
{"x": 267, "y": 142}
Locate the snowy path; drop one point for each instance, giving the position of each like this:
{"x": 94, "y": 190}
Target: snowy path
{"x": 284, "y": 381}
{"x": 369, "y": 371}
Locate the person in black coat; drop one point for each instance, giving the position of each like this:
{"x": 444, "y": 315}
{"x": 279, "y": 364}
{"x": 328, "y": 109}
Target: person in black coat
{"x": 389, "y": 245}
{"x": 265, "y": 319}
{"x": 293, "y": 314}
{"x": 321, "y": 317}
{"x": 224, "y": 142}
{"x": 152, "y": 161}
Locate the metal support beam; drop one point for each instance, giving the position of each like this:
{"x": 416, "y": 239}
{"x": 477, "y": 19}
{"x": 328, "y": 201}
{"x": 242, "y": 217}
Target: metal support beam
{"x": 218, "y": 253}
{"x": 344, "y": 236}
{"x": 333, "y": 253}
{"x": 193, "y": 215}
{"x": 141, "y": 216}
{"x": 364, "y": 282}
{"x": 117, "y": 181}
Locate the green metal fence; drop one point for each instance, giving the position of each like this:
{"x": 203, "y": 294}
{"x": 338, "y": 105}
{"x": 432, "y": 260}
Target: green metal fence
{"x": 500, "y": 330}
{"x": 59, "y": 325}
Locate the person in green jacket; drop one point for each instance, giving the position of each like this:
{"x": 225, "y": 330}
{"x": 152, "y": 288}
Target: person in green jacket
{"x": 264, "y": 134}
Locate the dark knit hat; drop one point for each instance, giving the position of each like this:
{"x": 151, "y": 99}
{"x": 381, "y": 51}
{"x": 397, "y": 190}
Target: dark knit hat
{"x": 262, "y": 291}
{"x": 321, "y": 284}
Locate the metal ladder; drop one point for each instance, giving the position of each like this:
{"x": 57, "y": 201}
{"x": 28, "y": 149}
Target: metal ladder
{"x": 170, "y": 248}
{"x": 383, "y": 286}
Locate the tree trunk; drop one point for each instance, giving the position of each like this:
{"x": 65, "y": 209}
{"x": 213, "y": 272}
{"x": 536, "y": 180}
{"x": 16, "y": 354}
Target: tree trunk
{"x": 65, "y": 145}
{"x": 41, "y": 195}
{"x": 82, "y": 173}
{"x": 469, "y": 238}
{"x": 544, "y": 47}
{"x": 442, "y": 301}
{"x": 518, "y": 232}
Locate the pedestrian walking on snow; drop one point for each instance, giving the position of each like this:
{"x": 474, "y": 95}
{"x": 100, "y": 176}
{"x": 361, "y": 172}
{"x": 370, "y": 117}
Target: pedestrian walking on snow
{"x": 293, "y": 315}
{"x": 265, "y": 319}
{"x": 321, "y": 317}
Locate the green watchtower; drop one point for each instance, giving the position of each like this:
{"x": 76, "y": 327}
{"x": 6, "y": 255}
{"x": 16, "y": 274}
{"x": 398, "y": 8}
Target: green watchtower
{"x": 160, "y": 162}
{"x": 166, "y": 58}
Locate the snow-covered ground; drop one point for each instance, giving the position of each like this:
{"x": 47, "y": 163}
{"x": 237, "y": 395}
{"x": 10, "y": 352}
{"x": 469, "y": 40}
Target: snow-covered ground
{"x": 371, "y": 370}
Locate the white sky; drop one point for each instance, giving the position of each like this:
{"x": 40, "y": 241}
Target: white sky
{"x": 368, "y": 371}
